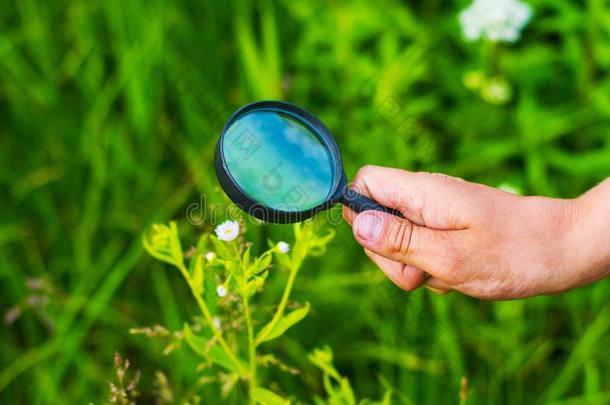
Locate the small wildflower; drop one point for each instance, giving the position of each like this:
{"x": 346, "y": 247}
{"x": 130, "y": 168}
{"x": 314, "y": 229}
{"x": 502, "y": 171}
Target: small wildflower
{"x": 496, "y": 20}
{"x": 123, "y": 391}
{"x": 210, "y": 256}
{"x": 35, "y": 283}
{"x": 227, "y": 231}
{"x": 12, "y": 315}
{"x": 221, "y": 290}
{"x": 497, "y": 91}
{"x": 162, "y": 389}
{"x": 216, "y": 321}
{"x": 283, "y": 247}
{"x": 37, "y": 300}
{"x": 463, "y": 389}
{"x": 154, "y": 331}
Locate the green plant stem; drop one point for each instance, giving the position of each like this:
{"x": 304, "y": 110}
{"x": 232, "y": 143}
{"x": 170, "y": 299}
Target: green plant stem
{"x": 208, "y": 317}
{"x": 251, "y": 348}
{"x": 280, "y": 309}
{"x": 490, "y": 58}
{"x": 249, "y": 327}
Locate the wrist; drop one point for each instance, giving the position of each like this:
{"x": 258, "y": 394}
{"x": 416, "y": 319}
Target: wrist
{"x": 586, "y": 235}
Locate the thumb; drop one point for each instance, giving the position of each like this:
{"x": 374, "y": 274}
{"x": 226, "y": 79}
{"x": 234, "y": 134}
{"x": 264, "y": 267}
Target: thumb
{"x": 395, "y": 238}
{"x": 426, "y": 199}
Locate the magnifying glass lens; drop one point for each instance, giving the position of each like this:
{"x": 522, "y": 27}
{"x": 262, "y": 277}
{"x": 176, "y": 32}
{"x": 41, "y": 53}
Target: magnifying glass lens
{"x": 278, "y": 161}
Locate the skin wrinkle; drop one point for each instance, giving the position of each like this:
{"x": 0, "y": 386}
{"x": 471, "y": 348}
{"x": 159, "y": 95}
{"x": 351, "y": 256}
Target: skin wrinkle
{"x": 451, "y": 219}
{"x": 417, "y": 206}
{"x": 407, "y": 249}
{"x": 396, "y": 237}
{"x": 453, "y": 255}
{"x": 508, "y": 281}
{"x": 505, "y": 282}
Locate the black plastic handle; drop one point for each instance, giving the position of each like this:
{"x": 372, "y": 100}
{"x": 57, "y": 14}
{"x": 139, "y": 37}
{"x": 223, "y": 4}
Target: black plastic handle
{"x": 358, "y": 202}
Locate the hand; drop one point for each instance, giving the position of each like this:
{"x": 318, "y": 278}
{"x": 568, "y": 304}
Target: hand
{"x": 479, "y": 240}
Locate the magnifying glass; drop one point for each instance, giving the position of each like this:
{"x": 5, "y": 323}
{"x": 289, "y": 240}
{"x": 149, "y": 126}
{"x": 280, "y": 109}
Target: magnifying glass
{"x": 280, "y": 164}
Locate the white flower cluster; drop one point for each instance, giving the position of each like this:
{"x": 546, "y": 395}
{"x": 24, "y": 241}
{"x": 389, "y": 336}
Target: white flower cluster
{"x": 496, "y": 20}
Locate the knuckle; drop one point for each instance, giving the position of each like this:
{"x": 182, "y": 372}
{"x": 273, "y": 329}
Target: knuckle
{"x": 440, "y": 175}
{"x": 398, "y": 239}
{"x": 395, "y": 198}
{"x": 363, "y": 172}
{"x": 438, "y": 178}
{"x": 358, "y": 182}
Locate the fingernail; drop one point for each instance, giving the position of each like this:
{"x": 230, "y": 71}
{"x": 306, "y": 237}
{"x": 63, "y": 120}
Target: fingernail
{"x": 368, "y": 226}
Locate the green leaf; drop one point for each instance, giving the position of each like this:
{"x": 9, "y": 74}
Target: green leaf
{"x": 202, "y": 243}
{"x": 265, "y": 397}
{"x": 175, "y": 243}
{"x": 387, "y": 398}
{"x": 163, "y": 243}
{"x": 341, "y": 394}
{"x": 261, "y": 263}
{"x": 270, "y": 331}
{"x": 208, "y": 350}
{"x": 245, "y": 261}
{"x": 197, "y": 343}
{"x": 209, "y": 294}
{"x": 323, "y": 359}
{"x": 346, "y": 390}
{"x": 255, "y": 283}
{"x": 197, "y": 274}
{"x": 318, "y": 245}
{"x": 221, "y": 248}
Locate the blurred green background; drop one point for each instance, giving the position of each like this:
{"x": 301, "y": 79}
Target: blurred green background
{"x": 109, "y": 112}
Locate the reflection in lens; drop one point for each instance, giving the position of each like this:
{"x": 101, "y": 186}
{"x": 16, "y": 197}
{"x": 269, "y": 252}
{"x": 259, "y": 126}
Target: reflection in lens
{"x": 278, "y": 161}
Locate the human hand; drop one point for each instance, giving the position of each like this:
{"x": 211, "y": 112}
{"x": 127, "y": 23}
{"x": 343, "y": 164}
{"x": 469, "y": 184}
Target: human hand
{"x": 479, "y": 240}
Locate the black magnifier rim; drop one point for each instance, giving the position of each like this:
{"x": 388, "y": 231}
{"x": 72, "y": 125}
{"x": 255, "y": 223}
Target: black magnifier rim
{"x": 243, "y": 200}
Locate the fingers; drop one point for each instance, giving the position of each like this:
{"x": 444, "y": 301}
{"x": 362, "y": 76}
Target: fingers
{"x": 407, "y": 277}
{"x": 403, "y": 275}
{"x": 349, "y": 215}
{"x": 398, "y": 239}
{"x": 432, "y": 200}
{"x": 437, "y": 209}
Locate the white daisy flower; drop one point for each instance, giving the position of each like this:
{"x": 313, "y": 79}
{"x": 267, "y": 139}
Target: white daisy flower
{"x": 283, "y": 247}
{"x": 210, "y": 256}
{"x": 221, "y": 291}
{"x": 227, "y": 231}
{"x": 496, "y": 20}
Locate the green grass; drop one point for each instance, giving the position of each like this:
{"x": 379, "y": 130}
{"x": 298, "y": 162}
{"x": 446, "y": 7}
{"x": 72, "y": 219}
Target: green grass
{"x": 109, "y": 115}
